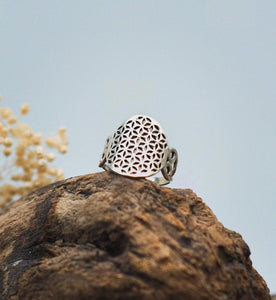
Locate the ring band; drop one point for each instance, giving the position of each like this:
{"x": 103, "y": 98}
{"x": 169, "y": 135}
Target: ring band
{"x": 139, "y": 149}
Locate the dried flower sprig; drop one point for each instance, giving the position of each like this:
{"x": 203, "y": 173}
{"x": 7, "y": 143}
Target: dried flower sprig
{"x": 26, "y": 164}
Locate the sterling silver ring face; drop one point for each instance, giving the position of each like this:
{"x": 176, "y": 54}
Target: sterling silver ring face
{"x": 139, "y": 148}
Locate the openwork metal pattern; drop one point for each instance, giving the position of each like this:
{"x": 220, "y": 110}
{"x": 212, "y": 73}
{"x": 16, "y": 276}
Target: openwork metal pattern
{"x": 170, "y": 165}
{"x": 139, "y": 148}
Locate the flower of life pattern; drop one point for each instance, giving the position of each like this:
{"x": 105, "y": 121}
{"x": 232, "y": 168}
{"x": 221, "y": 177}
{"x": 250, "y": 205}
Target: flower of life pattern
{"x": 137, "y": 148}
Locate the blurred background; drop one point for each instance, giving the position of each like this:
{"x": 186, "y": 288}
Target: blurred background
{"x": 204, "y": 69}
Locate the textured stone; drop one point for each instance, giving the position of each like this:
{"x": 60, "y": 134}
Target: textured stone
{"x": 104, "y": 236}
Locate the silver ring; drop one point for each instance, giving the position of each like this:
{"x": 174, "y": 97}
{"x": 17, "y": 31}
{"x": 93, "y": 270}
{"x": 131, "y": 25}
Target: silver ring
{"x": 139, "y": 149}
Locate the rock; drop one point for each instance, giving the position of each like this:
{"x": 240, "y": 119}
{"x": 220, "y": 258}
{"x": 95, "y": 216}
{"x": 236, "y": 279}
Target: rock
{"x": 104, "y": 236}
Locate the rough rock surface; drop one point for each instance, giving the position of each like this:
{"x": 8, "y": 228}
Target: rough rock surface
{"x": 104, "y": 236}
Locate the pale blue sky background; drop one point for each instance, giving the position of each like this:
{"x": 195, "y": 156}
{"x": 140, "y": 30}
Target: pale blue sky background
{"x": 204, "y": 69}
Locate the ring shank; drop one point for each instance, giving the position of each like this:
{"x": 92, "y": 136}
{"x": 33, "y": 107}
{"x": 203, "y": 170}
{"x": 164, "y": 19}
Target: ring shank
{"x": 159, "y": 180}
